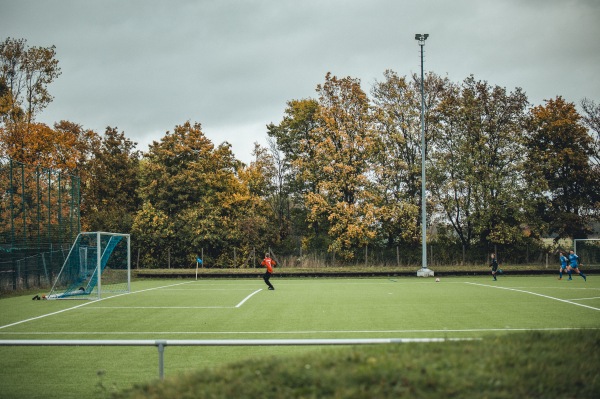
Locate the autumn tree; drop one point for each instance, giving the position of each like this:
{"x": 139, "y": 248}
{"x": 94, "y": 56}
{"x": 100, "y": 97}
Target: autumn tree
{"x": 295, "y": 140}
{"x": 192, "y": 199}
{"x": 25, "y": 73}
{"x": 345, "y": 141}
{"x": 591, "y": 119}
{"x": 560, "y": 148}
{"x": 258, "y": 221}
{"x": 397, "y": 161}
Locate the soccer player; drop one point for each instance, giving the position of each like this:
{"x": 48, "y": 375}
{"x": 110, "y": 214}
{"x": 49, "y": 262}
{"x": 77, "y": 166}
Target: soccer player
{"x": 494, "y": 265}
{"x": 574, "y": 265}
{"x": 268, "y": 263}
{"x": 563, "y": 265}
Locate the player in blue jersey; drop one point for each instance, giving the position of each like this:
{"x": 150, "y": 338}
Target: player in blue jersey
{"x": 574, "y": 265}
{"x": 563, "y": 264}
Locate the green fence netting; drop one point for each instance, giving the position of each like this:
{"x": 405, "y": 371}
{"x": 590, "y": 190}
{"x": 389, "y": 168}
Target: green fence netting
{"x": 39, "y": 219}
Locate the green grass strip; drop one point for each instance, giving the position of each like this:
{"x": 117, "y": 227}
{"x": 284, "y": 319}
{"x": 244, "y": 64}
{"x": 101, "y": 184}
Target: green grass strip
{"x": 524, "y": 365}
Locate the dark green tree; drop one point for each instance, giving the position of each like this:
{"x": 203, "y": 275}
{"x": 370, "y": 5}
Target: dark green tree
{"x": 477, "y": 171}
{"x": 560, "y": 149}
{"x": 111, "y": 191}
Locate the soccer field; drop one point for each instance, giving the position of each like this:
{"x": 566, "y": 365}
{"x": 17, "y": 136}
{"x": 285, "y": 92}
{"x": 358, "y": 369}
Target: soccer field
{"x": 457, "y": 307}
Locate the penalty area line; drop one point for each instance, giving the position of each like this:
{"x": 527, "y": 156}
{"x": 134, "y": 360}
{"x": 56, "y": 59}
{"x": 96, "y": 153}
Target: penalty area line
{"x": 536, "y": 294}
{"x": 248, "y": 297}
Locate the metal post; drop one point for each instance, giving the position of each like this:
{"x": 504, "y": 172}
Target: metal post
{"x": 424, "y": 270}
{"x": 128, "y": 263}
{"x": 12, "y": 205}
{"x": 161, "y": 359}
{"x": 98, "y": 263}
{"x": 24, "y": 210}
{"x": 423, "y": 144}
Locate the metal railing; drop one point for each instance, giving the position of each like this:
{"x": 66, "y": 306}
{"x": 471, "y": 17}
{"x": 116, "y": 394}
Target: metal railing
{"x": 161, "y": 344}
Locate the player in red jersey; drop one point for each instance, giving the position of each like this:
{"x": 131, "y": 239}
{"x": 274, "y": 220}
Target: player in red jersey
{"x": 269, "y": 264}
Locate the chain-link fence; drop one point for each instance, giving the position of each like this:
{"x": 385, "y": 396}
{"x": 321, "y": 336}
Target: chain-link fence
{"x": 39, "y": 219}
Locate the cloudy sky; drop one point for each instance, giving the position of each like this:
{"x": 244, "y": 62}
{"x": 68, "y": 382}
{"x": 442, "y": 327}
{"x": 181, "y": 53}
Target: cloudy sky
{"x": 145, "y": 66}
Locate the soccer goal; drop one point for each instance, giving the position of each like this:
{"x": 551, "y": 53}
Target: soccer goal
{"x": 588, "y": 251}
{"x": 98, "y": 264}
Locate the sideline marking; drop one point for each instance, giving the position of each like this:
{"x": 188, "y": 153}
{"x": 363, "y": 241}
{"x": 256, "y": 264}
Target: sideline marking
{"x": 87, "y": 303}
{"x": 534, "y": 293}
{"x": 586, "y": 299}
{"x": 468, "y": 330}
{"x": 162, "y": 307}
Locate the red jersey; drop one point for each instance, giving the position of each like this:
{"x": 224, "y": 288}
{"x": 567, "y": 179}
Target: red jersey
{"x": 268, "y": 263}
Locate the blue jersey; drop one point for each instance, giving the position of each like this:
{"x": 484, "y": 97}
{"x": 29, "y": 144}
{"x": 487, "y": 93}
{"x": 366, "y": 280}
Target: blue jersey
{"x": 563, "y": 261}
{"x": 574, "y": 260}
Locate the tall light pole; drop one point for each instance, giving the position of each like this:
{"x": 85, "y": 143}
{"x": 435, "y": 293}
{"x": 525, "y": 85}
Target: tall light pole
{"x": 425, "y": 272}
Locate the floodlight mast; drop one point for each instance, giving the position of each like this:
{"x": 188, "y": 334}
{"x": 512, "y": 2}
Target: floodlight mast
{"x": 421, "y": 37}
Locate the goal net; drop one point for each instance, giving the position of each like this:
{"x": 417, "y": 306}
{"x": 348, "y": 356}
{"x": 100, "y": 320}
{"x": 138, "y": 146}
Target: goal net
{"x": 97, "y": 265}
{"x": 588, "y": 251}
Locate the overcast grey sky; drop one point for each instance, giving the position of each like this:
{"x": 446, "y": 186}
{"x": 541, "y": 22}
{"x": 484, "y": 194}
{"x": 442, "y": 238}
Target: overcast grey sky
{"x": 146, "y": 66}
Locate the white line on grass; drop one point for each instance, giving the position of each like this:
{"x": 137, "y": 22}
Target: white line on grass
{"x": 202, "y": 288}
{"x": 534, "y": 293}
{"x": 163, "y": 307}
{"x": 84, "y": 304}
{"x": 467, "y": 330}
{"x": 585, "y": 299}
{"x": 248, "y": 297}
{"x": 180, "y": 307}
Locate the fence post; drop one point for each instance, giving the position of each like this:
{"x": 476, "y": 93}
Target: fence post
{"x": 45, "y": 268}
{"x": 161, "y": 359}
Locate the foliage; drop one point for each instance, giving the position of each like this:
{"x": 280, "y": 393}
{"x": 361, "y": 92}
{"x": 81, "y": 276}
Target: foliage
{"x": 560, "y": 147}
{"x": 341, "y": 174}
{"x": 25, "y": 74}
{"x": 294, "y": 141}
{"x": 482, "y": 194}
{"x": 111, "y": 197}
{"x": 198, "y": 198}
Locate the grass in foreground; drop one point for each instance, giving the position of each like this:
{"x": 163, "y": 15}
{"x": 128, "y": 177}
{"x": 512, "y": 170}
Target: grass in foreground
{"x": 525, "y": 365}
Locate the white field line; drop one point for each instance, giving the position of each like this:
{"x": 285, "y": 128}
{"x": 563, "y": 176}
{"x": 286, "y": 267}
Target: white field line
{"x": 163, "y": 307}
{"x": 468, "y": 330}
{"x": 586, "y": 299}
{"x": 132, "y": 307}
{"x": 85, "y": 304}
{"x": 534, "y": 293}
{"x": 201, "y": 288}
{"x": 180, "y": 307}
{"x": 248, "y": 297}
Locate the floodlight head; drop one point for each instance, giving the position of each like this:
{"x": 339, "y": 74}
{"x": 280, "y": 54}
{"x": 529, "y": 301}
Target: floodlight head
{"x": 421, "y": 37}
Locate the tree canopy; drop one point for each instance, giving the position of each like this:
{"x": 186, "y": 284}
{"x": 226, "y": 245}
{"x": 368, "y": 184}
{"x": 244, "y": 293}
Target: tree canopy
{"x": 342, "y": 171}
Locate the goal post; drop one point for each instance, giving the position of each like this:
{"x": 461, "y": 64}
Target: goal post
{"x": 588, "y": 250}
{"x": 98, "y": 264}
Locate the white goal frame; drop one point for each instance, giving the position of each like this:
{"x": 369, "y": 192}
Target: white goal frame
{"x": 98, "y": 268}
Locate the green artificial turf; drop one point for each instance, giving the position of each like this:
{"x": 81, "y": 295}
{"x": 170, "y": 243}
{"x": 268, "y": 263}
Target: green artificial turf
{"x": 458, "y": 307}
